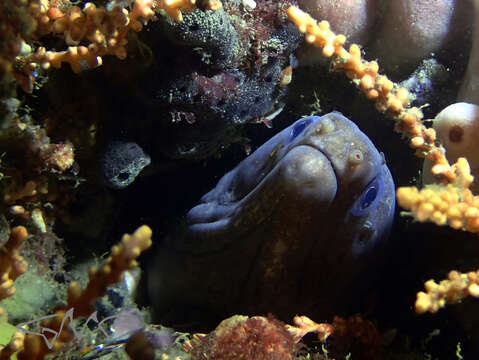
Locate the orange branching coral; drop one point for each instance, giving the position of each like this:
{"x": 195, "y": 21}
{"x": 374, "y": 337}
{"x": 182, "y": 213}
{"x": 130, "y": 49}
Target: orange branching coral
{"x": 389, "y": 97}
{"x": 104, "y": 29}
{"x": 355, "y": 332}
{"x": 452, "y": 290}
{"x": 123, "y": 257}
{"x": 452, "y": 204}
{"x": 12, "y": 265}
{"x": 305, "y": 325}
{"x": 174, "y": 7}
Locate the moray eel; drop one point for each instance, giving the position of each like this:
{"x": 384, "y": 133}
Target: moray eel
{"x": 299, "y": 226}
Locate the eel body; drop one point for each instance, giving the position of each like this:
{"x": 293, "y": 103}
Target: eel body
{"x": 298, "y": 227}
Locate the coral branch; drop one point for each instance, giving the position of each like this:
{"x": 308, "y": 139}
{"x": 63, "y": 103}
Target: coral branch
{"x": 123, "y": 257}
{"x": 452, "y": 290}
{"x": 389, "y": 97}
{"x": 174, "y": 7}
{"x": 12, "y": 265}
{"x": 452, "y": 204}
{"x": 305, "y": 325}
{"x": 104, "y": 29}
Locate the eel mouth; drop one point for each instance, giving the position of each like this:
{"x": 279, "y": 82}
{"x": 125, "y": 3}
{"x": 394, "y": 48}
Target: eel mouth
{"x": 322, "y": 149}
{"x": 320, "y": 126}
{"x": 327, "y": 157}
{"x": 304, "y": 164}
{"x": 308, "y": 170}
{"x": 304, "y": 173}
{"x": 216, "y": 211}
{"x": 351, "y": 153}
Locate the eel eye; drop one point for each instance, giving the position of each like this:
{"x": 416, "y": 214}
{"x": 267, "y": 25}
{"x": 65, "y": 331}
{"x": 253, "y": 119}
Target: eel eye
{"x": 299, "y": 127}
{"x": 369, "y": 198}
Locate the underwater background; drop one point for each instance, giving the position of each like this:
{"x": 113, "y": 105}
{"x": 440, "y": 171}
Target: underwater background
{"x": 238, "y": 179}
